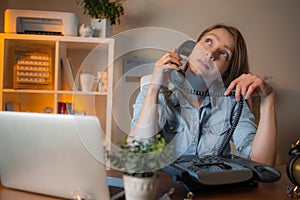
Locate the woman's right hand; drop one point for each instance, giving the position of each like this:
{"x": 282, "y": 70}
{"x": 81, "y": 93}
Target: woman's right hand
{"x": 171, "y": 60}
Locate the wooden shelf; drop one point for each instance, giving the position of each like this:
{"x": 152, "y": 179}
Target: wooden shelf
{"x": 92, "y": 54}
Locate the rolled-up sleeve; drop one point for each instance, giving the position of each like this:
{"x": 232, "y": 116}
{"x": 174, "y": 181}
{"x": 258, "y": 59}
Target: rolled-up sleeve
{"x": 245, "y": 132}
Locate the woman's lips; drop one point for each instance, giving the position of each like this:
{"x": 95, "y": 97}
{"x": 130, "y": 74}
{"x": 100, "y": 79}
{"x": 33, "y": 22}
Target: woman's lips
{"x": 204, "y": 64}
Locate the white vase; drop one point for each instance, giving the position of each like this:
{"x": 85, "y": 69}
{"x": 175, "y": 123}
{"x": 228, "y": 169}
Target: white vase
{"x": 140, "y": 188}
{"x": 101, "y": 29}
{"x": 86, "y": 81}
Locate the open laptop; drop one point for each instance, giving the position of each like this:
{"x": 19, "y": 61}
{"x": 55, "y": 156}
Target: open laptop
{"x": 56, "y": 155}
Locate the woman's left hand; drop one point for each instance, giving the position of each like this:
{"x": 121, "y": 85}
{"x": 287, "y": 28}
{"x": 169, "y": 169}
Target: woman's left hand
{"x": 248, "y": 85}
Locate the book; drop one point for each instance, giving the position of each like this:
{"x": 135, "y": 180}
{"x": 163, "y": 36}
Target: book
{"x": 68, "y": 70}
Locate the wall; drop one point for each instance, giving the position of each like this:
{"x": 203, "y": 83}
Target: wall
{"x": 270, "y": 27}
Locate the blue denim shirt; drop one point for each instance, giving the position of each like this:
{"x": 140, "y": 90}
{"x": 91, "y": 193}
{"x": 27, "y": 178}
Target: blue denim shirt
{"x": 200, "y": 131}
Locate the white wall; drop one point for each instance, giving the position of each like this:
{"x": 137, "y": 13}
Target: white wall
{"x": 271, "y": 29}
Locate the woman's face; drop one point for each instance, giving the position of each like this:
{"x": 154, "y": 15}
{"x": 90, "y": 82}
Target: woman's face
{"x": 212, "y": 55}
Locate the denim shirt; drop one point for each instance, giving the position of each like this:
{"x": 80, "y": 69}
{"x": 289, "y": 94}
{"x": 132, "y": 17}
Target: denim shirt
{"x": 200, "y": 131}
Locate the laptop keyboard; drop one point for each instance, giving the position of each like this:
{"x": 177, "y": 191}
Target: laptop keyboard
{"x": 116, "y": 193}
{"x": 116, "y": 188}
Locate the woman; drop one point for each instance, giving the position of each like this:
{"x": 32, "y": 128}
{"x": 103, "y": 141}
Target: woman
{"x": 197, "y": 125}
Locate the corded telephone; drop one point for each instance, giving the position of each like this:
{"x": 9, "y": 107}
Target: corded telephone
{"x": 197, "y": 172}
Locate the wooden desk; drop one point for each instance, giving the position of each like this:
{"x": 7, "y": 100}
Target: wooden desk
{"x": 265, "y": 191}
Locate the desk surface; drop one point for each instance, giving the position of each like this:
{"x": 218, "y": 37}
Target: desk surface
{"x": 274, "y": 191}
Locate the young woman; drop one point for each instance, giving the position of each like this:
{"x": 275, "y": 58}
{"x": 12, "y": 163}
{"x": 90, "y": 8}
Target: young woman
{"x": 198, "y": 124}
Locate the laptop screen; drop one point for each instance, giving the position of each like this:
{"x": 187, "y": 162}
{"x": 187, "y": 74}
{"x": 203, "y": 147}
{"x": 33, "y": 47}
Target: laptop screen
{"x": 51, "y": 154}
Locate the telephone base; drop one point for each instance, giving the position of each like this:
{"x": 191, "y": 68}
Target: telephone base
{"x": 204, "y": 172}
{"x": 194, "y": 186}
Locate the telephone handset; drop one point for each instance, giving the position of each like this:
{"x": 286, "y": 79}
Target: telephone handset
{"x": 177, "y": 77}
{"x": 184, "y": 79}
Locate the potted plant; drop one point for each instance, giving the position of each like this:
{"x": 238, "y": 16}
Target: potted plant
{"x": 104, "y": 14}
{"x": 140, "y": 162}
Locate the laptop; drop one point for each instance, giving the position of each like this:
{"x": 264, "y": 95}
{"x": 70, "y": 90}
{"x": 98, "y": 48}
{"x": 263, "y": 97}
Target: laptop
{"x": 52, "y": 154}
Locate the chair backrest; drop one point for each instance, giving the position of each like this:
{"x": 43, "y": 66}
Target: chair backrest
{"x": 145, "y": 80}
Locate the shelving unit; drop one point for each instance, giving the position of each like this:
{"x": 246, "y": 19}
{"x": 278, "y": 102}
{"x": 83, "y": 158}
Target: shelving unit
{"x": 87, "y": 54}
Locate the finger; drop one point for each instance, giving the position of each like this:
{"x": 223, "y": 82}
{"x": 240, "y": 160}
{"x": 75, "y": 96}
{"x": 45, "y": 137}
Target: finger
{"x": 244, "y": 87}
{"x": 255, "y": 89}
{"x": 234, "y": 83}
{"x": 240, "y": 85}
{"x": 229, "y": 88}
{"x": 250, "y": 91}
{"x": 174, "y": 59}
{"x": 176, "y": 54}
{"x": 245, "y": 84}
{"x": 238, "y": 93}
{"x": 168, "y": 66}
{"x": 170, "y": 58}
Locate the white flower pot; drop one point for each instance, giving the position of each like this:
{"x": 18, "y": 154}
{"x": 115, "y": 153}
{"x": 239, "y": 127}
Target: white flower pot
{"x": 140, "y": 188}
{"x": 102, "y": 29}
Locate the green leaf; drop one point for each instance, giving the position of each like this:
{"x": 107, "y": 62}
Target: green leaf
{"x": 101, "y": 9}
{"x": 142, "y": 158}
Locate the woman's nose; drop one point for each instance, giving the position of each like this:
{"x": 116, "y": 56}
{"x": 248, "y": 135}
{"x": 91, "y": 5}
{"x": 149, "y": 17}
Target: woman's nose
{"x": 210, "y": 56}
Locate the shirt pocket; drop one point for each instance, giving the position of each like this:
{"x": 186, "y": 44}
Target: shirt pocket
{"x": 216, "y": 128}
{"x": 173, "y": 126}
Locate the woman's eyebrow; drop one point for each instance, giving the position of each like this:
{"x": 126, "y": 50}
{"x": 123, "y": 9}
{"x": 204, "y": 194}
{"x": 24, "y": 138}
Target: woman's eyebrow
{"x": 217, "y": 38}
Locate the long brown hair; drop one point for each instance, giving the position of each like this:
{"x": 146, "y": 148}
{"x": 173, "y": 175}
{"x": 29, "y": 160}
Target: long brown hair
{"x": 239, "y": 61}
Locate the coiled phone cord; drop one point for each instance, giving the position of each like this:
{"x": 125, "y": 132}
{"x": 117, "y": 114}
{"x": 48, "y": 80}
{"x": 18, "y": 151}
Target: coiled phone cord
{"x": 234, "y": 123}
{"x": 207, "y": 93}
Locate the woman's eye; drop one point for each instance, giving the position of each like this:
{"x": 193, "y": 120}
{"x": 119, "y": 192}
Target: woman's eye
{"x": 208, "y": 41}
{"x": 224, "y": 54}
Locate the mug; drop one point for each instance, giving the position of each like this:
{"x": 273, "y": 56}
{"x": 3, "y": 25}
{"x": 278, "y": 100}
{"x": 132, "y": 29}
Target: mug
{"x": 61, "y": 108}
{"x": 86, "y": 81}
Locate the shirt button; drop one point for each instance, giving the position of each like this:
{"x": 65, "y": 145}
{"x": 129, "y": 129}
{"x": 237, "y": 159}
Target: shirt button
{"x": 171, "y": 127}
